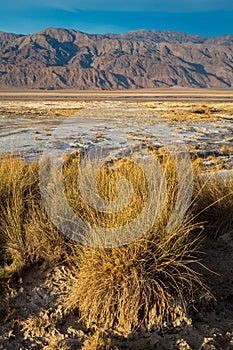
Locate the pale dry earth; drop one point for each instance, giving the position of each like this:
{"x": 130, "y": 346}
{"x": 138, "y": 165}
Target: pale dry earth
{"x": 31, "y": 126}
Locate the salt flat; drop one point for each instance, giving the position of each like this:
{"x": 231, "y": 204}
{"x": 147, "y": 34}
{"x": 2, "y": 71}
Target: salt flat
{"x": 29, "y": 127}
{"x": 170, "y": 94}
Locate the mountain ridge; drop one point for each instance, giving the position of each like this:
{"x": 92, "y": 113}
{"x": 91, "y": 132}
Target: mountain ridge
{"x": 58, "y": 58}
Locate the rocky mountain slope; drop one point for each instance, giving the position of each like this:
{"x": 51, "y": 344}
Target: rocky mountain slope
{"x": 66, "y": 59}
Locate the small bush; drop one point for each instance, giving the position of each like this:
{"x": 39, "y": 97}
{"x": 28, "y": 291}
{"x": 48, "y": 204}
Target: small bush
{"x": 214, "y": 201}
{"x": 26, "y": 234}
{"x": 139, "y": 284}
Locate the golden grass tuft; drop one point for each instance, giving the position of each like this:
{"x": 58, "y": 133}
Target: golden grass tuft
{"x": 26, "y": 234}
{"x": 140, "y": 284}
{"x": 106, "y": 183}
{"x": 42, "y": 241}
{"x": 130, "y": 287}
{"x": 214, "y": 201}
{"x": 16, "y": 189}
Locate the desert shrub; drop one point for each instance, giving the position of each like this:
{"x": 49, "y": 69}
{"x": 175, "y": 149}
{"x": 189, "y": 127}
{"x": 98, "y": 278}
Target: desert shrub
{"x": 139, "y": 284}
{"x": 42, "y": 241}
{"x": 17, "y": 181}
{"x": 213, "y": 203}
{"x": 26, "y": 234}
{"x": 136, "y": 285}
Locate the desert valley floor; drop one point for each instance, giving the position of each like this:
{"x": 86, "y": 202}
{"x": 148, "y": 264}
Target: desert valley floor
{"x": 31, "y": 123}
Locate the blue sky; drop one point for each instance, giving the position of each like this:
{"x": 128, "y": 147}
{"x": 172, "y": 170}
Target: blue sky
{"x": 205, "y": 17}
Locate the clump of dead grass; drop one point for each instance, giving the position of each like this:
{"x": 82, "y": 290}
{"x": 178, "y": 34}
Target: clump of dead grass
{"x": 42, "y": 241}
{"x": 17, "y": 185}
{"x": 125, "y": 288}
{"x": 26, "y": 234}
{"x": 140, "y": 284}
{"x": 213, "y": 203}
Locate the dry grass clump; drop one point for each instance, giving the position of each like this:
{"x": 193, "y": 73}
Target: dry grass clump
{"x": 140, "y": 284}
{"x": 187, "y": 111}
{"x": 137, "y": 285}
{"x": 106, "y": 181}
{"x": 26, "y": 234}
{"x": 214, "y": 201}
{"x": 16, "y": 188}
{"x": 42, "y": 241}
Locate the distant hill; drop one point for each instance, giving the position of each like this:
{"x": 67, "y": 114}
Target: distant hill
{"x": 66, "y": 59}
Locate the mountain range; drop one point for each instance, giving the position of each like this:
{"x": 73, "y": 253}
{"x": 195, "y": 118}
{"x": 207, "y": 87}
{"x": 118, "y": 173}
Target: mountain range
{"x": 58, "y": 58}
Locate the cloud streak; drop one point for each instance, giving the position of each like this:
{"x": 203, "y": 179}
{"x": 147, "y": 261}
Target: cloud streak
{"x": 124, "y": 5}
{"x": 145, "y": 5}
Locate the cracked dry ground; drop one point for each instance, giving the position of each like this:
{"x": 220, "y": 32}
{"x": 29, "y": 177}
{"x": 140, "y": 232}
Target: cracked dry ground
{"x": 33, "y": 317}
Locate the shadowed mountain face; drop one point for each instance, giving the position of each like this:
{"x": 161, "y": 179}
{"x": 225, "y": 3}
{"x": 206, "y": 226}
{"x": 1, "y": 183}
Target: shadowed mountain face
{"x": 60, "y": 59}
